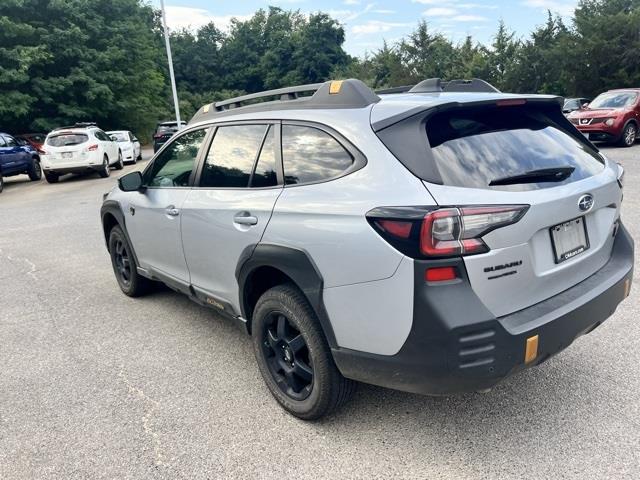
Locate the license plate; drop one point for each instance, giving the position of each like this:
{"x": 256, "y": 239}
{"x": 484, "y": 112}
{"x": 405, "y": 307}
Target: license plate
{"x": 67, "y": 154}
{"x": 569, "y": 239}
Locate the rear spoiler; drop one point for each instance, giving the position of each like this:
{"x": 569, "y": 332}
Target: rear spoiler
{"x": 405, "y": 134}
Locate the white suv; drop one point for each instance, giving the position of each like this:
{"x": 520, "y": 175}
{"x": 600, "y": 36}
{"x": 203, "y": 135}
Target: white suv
{"x": 435, "y": 239}
{"x": 79, "y": 148}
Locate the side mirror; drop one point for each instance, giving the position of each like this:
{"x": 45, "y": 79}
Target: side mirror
{"x": 131, "y": 182}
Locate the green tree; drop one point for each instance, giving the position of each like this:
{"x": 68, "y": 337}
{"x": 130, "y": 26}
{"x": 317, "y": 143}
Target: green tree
{"x": 62, "y": 62}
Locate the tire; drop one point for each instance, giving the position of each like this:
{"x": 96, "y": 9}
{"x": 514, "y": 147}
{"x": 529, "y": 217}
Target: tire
{"x": 120, "y": 163}
{"x": 35, "y": 173}
{"x": 105, "y": 170}
{"x": 124, "y": 265}
{"x": 629, "y": 135}
{"x": 51, "y": 177}
{"x": 139, "y": 157}
{"x": 1, "y": 183}
{"x": 294, "y": 357}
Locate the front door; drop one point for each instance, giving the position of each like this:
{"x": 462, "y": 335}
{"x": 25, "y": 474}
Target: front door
{"x": 153, "y": 217}
{"x": 226, "y": 213}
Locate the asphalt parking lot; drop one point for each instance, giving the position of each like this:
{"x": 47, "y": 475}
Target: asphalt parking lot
{"x": 94, "y": 384}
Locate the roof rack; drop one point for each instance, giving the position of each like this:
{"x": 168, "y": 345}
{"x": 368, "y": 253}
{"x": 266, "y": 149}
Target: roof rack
{"x": 436, "y": 85}
{"x": 77, "y": 125}
{"x": 350, "y": 93}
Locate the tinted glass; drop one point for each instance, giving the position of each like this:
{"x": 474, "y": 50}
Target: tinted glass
{"x": 67, "y": 139}
{"x": 2, "y": 144}
{"x": 571, "y": 105}
{"x": 38, "y": 138}
{"x": 231, "y": 157}
{"x": 173, "y": 167}
{"x": 472, "y": 148}
{"x": 10, "y": 142}
{"x": 311, "y": 155}
{"x": 614, "y": 100}
{"x": 265, "y": 172}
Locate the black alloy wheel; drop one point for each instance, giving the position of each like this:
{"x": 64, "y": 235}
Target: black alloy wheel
{"x": 35, "y": 173}
{"x": 122, "y": 262}
{"x": 287, "y": 356}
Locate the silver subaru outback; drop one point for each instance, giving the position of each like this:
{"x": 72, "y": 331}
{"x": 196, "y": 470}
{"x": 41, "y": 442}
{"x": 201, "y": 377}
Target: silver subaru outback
{"x": 433, "y": 239}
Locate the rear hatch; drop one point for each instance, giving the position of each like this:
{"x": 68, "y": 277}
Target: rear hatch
{"x": 525, "y": 155}
{"x": 165, "y": 131}
{"x": 68, "y": 147}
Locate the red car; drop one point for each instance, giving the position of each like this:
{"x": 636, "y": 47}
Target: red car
{"x": 35, "y": 139}
{"x": 613, "y": 116}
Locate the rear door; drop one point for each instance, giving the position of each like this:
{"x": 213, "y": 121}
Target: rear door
{"x": 567, "y": 233}
{"x": 153, "y": 217}
{"x": 226, "y": 213}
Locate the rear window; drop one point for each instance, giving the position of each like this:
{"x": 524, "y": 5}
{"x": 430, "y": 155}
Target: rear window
{"x": 471, "y": 148}
{"x": 120, "y": 137}
{"x": 67, "y": 139}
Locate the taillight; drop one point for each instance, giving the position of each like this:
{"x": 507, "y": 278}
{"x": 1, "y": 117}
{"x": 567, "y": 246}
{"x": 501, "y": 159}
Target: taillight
{"x": 442, "y": 232}
{"x": 92, "y": 148}
{"x": 157, "y": 135}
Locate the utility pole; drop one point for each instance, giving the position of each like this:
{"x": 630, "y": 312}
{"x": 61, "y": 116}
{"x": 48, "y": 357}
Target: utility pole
{"x": 171, "y": 75}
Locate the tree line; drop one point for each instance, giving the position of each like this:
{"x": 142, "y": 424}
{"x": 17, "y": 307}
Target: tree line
{"x": 104, "y": 60}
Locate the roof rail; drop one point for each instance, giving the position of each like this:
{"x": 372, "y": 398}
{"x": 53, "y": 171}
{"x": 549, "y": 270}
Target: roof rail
{"x": 350, "y": 93}
{"x": 77, "y": 125}
{"x": 437, "y": 85}
{"x": 387, "y": 91}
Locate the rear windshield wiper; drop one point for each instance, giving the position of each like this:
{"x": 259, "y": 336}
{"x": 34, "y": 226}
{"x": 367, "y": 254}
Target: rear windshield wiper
{"x": 555, "y": 174}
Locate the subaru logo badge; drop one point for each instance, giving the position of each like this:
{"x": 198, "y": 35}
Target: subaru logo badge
{"x": 585, "y": 203}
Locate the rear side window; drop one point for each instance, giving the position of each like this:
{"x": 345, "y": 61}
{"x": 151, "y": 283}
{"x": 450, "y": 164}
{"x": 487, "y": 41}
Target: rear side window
{"x": 2, "y": 144}
{"x": 472, "y": 148}
{"x": 311, "y": 155}
{"x": 265, "y": 174}
{"x": 67, "y": 139}
{"x": 232, "y": 155}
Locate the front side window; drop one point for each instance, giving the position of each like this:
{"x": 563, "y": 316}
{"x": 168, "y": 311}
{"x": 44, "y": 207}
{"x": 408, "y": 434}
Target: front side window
{"x": 232, "y": 155}
{"x": 10, "y": 142}
{"x": 173, "y": 167}
{"x": 2, "y": 144}
{"x": 311, "y": 155}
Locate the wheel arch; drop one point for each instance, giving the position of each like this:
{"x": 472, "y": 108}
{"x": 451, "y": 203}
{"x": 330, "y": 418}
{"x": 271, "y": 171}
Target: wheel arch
{"x": 111, "y": 216}
{"x": 264, "y": 266}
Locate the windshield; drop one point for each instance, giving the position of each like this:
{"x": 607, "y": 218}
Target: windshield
{"x": 473, "y": 148}
{"x": 67, "y": 139}
{"x": 614, "y": 100}
{"x": 120, "y": 137}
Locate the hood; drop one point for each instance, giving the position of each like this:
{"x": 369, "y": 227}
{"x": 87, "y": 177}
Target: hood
{"x": 597, "y": 112}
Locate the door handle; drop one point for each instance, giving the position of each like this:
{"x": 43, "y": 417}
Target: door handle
{"x": 172, "y": 211}
{"x": 245, "y": 218}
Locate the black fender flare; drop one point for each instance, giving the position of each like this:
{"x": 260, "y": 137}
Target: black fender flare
{"x": 113, "y": 208}
{"x": 296, "y": 264}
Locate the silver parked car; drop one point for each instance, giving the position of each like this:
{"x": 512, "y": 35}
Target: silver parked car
{"x": 433, "y": 239}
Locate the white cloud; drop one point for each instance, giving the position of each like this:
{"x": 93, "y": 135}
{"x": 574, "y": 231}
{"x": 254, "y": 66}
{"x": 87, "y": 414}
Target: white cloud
{"x": 469, "y": 18}
{"x": 351, "y": 2}
{"x": 376, "y": 26}
{"x": 194, "y": 18}
{"x": 440, "y": 12}
{"x": 563, "y": 7}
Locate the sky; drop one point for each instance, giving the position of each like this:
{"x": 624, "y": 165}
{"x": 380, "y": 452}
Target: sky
{"x": 369, "y": 23}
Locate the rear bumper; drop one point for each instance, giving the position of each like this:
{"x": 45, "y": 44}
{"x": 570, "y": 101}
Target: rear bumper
{"x": 456, "y": 345}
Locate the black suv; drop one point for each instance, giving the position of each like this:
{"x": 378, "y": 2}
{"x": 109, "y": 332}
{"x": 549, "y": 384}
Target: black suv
{"x": 164, "y": 131}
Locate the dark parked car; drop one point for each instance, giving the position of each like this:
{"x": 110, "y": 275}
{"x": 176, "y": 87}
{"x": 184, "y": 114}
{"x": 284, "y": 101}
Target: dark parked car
{"x": 17, "y": 159}
{"x": 164, "y": 131}
{"x": 36, "y": 140}
{"x": 613, "y": 116}
{"x": 573, "y": 104}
